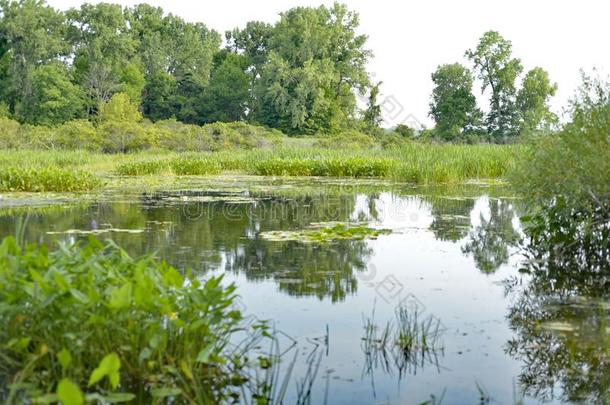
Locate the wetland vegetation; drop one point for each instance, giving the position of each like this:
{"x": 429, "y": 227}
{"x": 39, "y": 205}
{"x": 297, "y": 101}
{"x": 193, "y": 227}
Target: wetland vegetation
{"x": 185, "y": 223}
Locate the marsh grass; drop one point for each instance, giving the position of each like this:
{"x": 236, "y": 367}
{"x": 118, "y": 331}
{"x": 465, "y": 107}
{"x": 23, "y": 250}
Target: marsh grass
{"x": 412, "y": 163}
{"x": 406, "y": 344}
{"x": 49, "y": 179}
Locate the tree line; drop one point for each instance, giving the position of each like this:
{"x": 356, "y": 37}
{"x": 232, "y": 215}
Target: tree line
{"x": 301, "y": 75}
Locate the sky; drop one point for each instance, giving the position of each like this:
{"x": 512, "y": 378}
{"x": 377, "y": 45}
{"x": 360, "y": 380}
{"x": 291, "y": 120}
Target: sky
{"x": 411, "y": 38}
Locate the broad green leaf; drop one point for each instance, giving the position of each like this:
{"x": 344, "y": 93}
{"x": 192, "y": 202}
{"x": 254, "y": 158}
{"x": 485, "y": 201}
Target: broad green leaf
{"x": 109, "y": 367}
{"x": 166, "y": 392}
{"x": 120, "y": 297}
{"x": 69, "y": 393}
{"x": 65, "y": 359}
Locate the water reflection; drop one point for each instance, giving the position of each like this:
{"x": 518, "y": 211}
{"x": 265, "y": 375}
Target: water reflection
{"x": 561, "y": 316}
{"x": 489, "y": 241}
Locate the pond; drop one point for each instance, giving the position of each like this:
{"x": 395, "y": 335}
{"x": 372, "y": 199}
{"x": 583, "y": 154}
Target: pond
{"x": 450, "y": 255}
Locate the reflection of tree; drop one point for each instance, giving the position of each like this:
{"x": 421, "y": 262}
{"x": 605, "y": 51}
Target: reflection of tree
{"x": 562, "y": 317}
{"x": 212, "y": 230}
{"x": 451, "y": 218}
{"x": 303, "y": 269}
{"x": 490, "y": 240}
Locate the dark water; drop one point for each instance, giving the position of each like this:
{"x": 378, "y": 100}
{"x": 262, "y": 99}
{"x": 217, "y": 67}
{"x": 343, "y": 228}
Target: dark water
{"x": 452, "y": 255}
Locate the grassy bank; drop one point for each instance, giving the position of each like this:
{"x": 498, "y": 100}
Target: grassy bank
{"x": 32, "y": 170}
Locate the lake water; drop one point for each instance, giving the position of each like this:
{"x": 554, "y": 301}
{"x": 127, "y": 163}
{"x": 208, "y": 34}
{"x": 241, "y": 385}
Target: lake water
{"x": 451, "y": 256}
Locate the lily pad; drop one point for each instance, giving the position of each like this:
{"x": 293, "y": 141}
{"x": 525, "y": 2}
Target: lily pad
{"x": 321, "y": 234}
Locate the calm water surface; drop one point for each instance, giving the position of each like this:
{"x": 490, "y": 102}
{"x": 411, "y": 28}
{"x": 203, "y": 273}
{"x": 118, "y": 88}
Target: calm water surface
{"x": 452, "y": 255}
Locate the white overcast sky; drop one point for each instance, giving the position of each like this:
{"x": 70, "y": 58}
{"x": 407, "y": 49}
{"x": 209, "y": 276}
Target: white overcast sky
{"x": 411, "y": 38}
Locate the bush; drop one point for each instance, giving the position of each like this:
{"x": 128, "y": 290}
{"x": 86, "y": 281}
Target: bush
{"x": 78, "y": 134}
{"x": 46, "y": 179}
{"x": 10, "y": 134}
{"x": 347, "y": 140}
{"x": 125, "y": 137}
{"x": 94, "y": 319}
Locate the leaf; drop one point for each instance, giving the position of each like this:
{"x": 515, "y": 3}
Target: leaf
{"x": 69, "y": 393}
{"x": 65, "y": 359}
{"x": 120, "y": 297}
{"x": 172, "y": 277}
{"x": 166, "y": 392}
{"x": 118, "y": 397}
{"x": 204, "y": 355}
{"x": 79, "y": 296}
{"x": 109, "y": 367}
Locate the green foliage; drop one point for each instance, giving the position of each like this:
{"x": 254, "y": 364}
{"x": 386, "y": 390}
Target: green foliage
{"x": 574, "y": 164}
{"x": 315, "y": 61}
{"x": 346, "y": 140}
{"x": 121, "y": 109}
{"x": 10, "y": 134}
{"x": 142, "y": 168}
{"x": 46, "y": 179}
{"x": 125, "y": 136}
{"x": 55, "y": 99}
{"x": 533, "y": 100}
{"x": 195, "y": 166}
{"x": 150, "y": 329}
{"x": 498, "y": 71}
{"x": 324, "y": 233}
{"x": 453, "y": 106}
{"x": 78, "y": 134}
{"x": 328, "y": 166}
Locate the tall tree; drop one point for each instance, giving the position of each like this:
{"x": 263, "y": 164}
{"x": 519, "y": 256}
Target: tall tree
{"x": 533, "y": 101}
{"x": 55, "y": 99}
{"x": 226, "y": 97}
{"x": 453, "y": 106}
{"x": 498, "y": 71}
{"x": 316, "y": 63}
{"x": 102, "y": 46}
{"x": 372, "y": 115}
{"x": 34, "y": 34}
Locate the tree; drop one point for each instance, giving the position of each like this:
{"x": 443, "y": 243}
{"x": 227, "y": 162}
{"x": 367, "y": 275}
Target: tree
{"x": 372, "y": 116}
{"x": 454, "y": 107}
{"x": 120, "y": 108}
{"x": 132, "y": 82}
{"x": 316, "y": 63}
{"x": 498, "y": 72}
{"x": 226, "y": 97}
{"x": 158, "y": 97}
{"x": 55, "y": 99}
{"x": 533, "y": 101}
{"x": 33, "y": 32}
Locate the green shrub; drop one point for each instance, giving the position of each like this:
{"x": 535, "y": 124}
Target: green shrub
{"x": 112, "y": 326}
{"x": 10, "y": 134}
{"x": 78, "y": 134}
{"x": 46, "y": 179}
{"x": 125, "y": 137}
{"x": 347, "y": 140}
{"x": 186, "y": 166}
{"x": 178, "y": 137}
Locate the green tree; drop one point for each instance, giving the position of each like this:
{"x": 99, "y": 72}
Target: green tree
{"x": 498, "y": 71}
{"x": 226, "y": 97}
{"x": 103, "y": 47}
{"x": 316, "y": 63}
{"x": 372, "y": 116}
{"x": 120, "y": 108}
{"x": 454, "y": 107}
{"x": 132, "y": 82}
{"x": 158, "y": 97}
{"x": 55, "y": 99}
{"x": 533, "y": 101}
{"x": 33, "y": 32}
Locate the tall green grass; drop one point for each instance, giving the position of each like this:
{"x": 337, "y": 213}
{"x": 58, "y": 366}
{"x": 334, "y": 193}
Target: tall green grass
{"x": 50, "y": 179}
{"x": 416, "y": 163}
